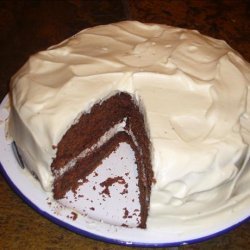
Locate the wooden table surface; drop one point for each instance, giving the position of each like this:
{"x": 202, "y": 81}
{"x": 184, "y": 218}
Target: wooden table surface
{"x": 29, "y": 26}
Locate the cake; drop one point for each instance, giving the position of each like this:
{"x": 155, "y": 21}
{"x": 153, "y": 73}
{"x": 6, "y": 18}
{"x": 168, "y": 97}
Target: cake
{"x": 177, "y": 97}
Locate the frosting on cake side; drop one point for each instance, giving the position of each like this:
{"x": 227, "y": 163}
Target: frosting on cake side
{"x": 193, "y": 88}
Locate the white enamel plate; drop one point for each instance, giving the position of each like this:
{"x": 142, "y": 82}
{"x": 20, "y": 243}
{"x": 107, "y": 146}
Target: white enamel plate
{"x": 100, "y": 210}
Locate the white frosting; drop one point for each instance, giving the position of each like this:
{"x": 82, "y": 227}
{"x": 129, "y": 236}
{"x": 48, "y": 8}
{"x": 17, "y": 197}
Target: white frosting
{"x": 194, "y": 90}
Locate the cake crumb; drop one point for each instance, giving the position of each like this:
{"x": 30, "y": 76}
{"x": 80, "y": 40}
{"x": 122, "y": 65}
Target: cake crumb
{"x": 109, "y": 182}
{"x": 74, "y": 215}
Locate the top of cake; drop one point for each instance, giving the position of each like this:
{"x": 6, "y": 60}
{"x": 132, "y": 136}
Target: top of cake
{"x": 193, "y": 89}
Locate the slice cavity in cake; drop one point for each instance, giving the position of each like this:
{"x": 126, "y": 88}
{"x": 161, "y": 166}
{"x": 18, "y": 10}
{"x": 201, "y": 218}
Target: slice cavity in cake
{"x": 95, "y": 136}
{"x": 110, "y": 193}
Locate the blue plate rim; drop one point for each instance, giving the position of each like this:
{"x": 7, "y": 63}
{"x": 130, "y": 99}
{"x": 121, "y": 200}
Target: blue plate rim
{"x": 106, "y": 239}
{"x": 102, "y": 238}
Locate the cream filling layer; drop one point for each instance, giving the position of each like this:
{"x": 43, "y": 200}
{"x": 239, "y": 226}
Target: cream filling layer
{"x": 104, "y": 138}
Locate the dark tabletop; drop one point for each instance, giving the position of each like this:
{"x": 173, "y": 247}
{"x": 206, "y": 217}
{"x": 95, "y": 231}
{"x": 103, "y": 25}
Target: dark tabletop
{"x": 29, "y": 26}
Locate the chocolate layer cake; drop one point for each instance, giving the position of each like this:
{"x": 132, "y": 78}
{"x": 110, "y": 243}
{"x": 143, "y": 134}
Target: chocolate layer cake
{"x": 180, "y": 99}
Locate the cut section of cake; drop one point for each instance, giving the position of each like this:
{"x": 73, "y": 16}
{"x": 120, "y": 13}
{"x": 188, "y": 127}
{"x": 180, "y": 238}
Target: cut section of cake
{"x": 95, "y": 136}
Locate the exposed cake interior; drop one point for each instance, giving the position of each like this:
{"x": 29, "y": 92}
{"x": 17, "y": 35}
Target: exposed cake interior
{"x": 95, "y": 136}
